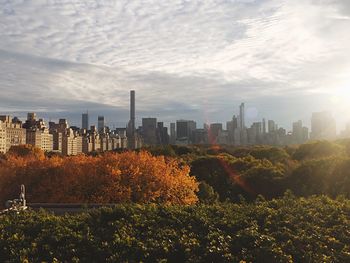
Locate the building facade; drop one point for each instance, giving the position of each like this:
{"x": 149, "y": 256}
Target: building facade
{"x": 14, "y": 133}
{"x": 149, "y": 131}
{"x": 37, "y": 134}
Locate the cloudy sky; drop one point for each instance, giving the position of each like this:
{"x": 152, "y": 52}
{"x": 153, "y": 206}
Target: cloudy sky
{"x": 192, "y": 59}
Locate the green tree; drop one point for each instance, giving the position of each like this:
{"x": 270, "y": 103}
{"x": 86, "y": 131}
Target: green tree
{"x": 206, "y": 194}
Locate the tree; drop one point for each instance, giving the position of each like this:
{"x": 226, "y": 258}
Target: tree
{"x": 108, "y": 178}
{"x": 206, "y": 194}
{"x": 317, "y": 149}
{"x": 26, "y": 150}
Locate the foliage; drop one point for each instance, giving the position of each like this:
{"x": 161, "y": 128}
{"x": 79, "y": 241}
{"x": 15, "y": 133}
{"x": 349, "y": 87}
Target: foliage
{"x": 329, "y": 176}
{"x": 206, "y": 194}
{"x": 319, "y": 167}
{"x": 165, "y": 150}
{"x": 273, "y": 154}
{"x": 317, "y": 149}
{"x": 231, "y": 177}
{"x": 314, "y": 168}
{"x": 26, "y": 150}
{"x": 109, "y": 178}
{"x": 289, "y": 229}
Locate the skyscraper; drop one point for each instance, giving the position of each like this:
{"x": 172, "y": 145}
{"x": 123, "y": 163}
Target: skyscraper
{"x": 257, "y": 127}
{"x": 241, "y": 116}
{"x": 214, "y": 130}
{"x": 149, "y": 131}
{"x": 172, "y": 133}
{"x": 184, "y": 129}
{"x": 271, "y": 126}
{"x": 232, "y": 128}
{"x": 322, "y": 126}
{"x": 297, "y": 132}
{"x": 100, "y": 123}
{"x": 85, "y": 121}
{"x": 132, "y": 112}
{"x": 264, "y": 126}
{"x": 162, "y": 134}
{"x": 131, "y": 126}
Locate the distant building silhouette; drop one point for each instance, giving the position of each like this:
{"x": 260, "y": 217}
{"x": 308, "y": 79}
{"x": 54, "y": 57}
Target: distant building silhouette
{"x": 271, "y": 126}
{"x": 149, "y": 131}
{"x": 214, "y": 130}
{"x": 232, "y": 128}
{"x": 264, "y": 126}
{"x": 242, "y": 116}
{"x": 85, "y": 121}
{"x": 184, "y": 131}
{"x": 323, "y": 126}
{"x": 132, "y": 143}
{"x": 100, "y": 123}
{"x": 172, "y": 133}
{"x": 300, "y": 134}
{"x": 162, "y": 134}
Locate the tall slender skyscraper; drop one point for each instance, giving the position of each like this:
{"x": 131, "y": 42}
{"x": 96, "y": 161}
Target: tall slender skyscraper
{"x": 131, "y": 125}
{"x": 85, "y": 121}
{"x": 241, "y": 116}
{"x": 132, "y": 112}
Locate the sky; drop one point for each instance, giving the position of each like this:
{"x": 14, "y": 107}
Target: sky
{"x": 185, "y": 59}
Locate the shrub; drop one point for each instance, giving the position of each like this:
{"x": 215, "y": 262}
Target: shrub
{"x": 289, "y": 229}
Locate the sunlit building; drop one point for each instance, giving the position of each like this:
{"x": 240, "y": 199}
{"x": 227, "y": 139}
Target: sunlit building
{"x": 37, "y": 133}
{"x": 14, "y": 133}
{"x": 2, "y": 138}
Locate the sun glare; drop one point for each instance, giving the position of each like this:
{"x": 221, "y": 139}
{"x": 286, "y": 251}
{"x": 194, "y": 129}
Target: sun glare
{"x": 341, "y": 100}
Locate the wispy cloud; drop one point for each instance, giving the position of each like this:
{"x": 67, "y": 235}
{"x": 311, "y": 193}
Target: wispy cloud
{"x": 184, "y": 58}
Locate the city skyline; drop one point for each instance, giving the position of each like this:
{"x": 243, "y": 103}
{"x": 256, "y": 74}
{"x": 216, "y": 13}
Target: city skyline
{"x": 96, "y": 120}
{"x": 284, "y": 59}
{"x": 62, "y": 138}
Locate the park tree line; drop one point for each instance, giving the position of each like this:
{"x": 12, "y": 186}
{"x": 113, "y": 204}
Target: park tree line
{"x": 227, "y": 173}
{"x": 177, "y": 174}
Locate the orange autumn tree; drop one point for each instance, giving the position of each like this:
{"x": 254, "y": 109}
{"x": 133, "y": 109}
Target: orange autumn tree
{"x": 109, "y": 178}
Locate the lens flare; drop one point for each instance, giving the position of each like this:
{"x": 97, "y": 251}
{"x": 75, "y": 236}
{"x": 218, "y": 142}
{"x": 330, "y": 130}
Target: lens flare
{"x": 341, "y": 100}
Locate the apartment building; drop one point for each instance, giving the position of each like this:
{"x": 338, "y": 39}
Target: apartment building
{"x": 13, "y": 132}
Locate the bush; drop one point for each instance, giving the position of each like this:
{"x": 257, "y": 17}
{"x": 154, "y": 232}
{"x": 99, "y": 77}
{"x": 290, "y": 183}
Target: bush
{"x": 289, "y": 229}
